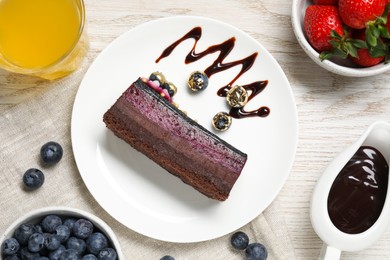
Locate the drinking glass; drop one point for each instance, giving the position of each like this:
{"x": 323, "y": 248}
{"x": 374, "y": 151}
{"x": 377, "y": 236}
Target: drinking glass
{"x": 43, "y": 38}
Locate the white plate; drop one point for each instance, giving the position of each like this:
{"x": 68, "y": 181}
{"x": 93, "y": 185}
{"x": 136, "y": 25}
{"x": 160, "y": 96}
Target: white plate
{"x": 136, "y": 191}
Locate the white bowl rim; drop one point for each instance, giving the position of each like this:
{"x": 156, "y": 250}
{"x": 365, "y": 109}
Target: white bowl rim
{"x": 327, "y": 64}
{"x": 62, "y": 210}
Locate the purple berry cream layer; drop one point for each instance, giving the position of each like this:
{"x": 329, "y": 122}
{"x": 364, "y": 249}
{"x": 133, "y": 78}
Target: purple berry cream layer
{"x": 150, "y": 123}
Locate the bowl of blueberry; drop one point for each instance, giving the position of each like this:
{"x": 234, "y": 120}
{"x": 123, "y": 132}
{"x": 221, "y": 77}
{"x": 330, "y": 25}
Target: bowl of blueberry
{"x": 59, "y": 233}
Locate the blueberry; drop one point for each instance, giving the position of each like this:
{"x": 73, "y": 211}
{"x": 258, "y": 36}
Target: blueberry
{"x": 63, "y": 232}
{"x": 167, "y": 257}
{"x": 239, "y": 240}
{"x": 55, "y": 255}
{"x": 51, "y": 152}
{"x": 69, "y": 222}
{"x": 38, "y": 229}
{"x": 256, "y": 251}
{"x": 33, "y": 178}
{"x": 70, "y": 254}
{"x": 52, "y": 242}
{"x": 12, "y": 257}
{"x": 50, "y": 223}
{"x": 96, "y": 242}
{"x": 36, "y": 242}
{"x": 23, "y": 232}
{"x": 10, "y": 246}
{"x": 25, "y": 254}
{"x": 82, "y": 228}
{"x": 76, "y": 244}
{"x": 89, "y": 257}
{"x": 107, "y": 254}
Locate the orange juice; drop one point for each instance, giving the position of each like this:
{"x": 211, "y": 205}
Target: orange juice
{"x": 38, "y": 34}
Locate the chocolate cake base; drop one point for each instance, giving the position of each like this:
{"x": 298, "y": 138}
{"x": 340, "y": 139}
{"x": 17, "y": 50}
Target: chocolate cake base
{"x": 156, "y": 128}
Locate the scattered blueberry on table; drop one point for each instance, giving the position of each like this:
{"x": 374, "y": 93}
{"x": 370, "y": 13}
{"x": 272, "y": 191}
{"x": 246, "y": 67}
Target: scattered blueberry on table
{"x": 239, "y": 240}
{"x": 51, "y": 152}
{"x": 256, "y": 251}
{"x": 167, "y": 257}
{"x": 253, "y": 251}
{"x": 58, "y": 238}
{"x": 33, "y": 179}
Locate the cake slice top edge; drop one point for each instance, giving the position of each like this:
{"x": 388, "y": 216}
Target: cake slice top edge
{"x": 139, "y": 83}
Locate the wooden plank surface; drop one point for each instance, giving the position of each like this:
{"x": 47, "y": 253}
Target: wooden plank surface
{"x": 332, "y": 110}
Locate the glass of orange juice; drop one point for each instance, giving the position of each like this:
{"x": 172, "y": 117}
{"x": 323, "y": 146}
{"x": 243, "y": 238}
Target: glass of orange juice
{"x": 44, "y": 38}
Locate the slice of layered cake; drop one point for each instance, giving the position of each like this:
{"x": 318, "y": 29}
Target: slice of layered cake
{"x": 150, "y": 123}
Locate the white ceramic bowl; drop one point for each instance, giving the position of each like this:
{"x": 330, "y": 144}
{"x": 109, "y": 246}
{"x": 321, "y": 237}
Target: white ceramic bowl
{"x": 341, "y": 67}
{"x": 36, "y": 216}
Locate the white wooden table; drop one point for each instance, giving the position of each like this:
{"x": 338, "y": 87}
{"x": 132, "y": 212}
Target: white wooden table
{"x": 332, "y": 110}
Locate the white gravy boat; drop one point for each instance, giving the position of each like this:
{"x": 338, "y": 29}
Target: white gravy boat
{"x": 377, "y": 135}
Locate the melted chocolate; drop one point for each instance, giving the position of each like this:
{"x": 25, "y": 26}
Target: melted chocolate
{"x": 253, "y": 89}
{"x": 218, "y": 65}
{"x": 358, "y": 193}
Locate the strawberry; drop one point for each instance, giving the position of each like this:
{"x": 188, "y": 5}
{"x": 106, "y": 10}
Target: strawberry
{"x": 326, "y": 2}
{"x": 388, "y": 21}
{"x": 356, "y": 13}
{"x": 366, "y": 56}
{"x": 319, "y": 22}
{"x": 365, "y": 59}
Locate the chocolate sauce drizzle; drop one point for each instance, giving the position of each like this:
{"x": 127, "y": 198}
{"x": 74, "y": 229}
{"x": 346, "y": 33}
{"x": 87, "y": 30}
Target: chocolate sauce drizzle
{"x": 218, "y": 65}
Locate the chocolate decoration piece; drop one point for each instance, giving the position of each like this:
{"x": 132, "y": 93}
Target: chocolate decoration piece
{"x": 198, "y": 81}
{"x": 219, "y": 65}
{"x": 222, "y": 121}
{"x": 237, "y": 96}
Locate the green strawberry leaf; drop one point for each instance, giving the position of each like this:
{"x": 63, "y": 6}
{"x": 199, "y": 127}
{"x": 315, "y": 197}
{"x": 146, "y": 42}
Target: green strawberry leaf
{"x": 383, "y": 31}
{"x": 335, "y": 35}
{"x": 376, "y": 53}
{"x": 325, "y": 55}
{"x": 381, "y": 19}
{"x": 371, "y": 39}
{"x": 360, "y": 44}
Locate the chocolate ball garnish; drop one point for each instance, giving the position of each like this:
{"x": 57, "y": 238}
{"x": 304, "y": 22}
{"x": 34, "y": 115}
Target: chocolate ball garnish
{"x": 157, "y": 76}
{"x": 237, "y": 96}
{"x": 222, "y": 121}
{"x": 170, "y": 87}
{"x": 198, "y": 81}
